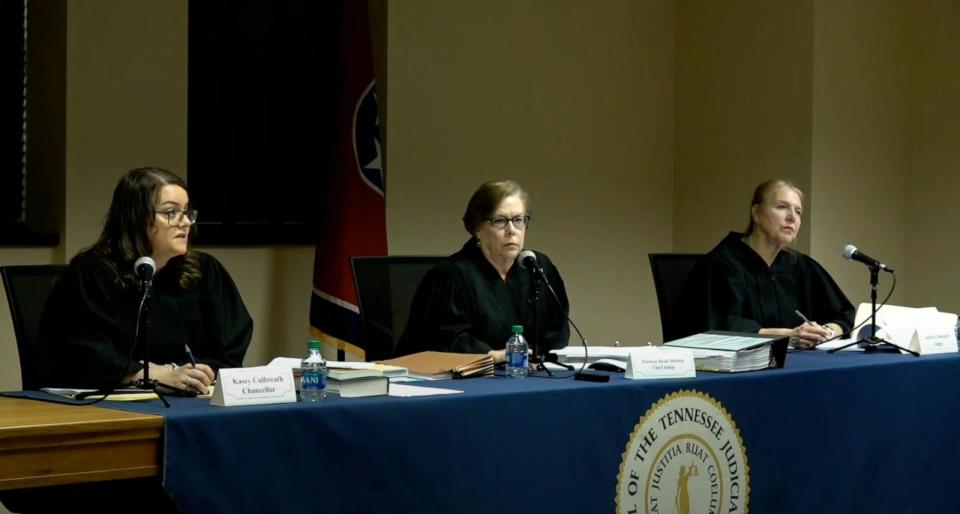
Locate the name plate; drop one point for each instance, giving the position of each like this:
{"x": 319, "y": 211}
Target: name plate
{"x": 254, "y": 386}
{"x": 652, "y": 362}
{"x": 931, "y": 340}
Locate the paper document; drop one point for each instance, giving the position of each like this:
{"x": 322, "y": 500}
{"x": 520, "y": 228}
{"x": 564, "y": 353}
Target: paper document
{"x": 119, "y": 395}
{"x": 385, "y": 370}
{"x": 837, "y": 343}
{"x": 575, "y": 353}
{"x": 407, "y": 390}
{"x": 727, "y": 342}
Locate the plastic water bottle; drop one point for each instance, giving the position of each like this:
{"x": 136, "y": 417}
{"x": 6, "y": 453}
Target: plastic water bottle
{"x": 313, "y": 374}
{"x": 517, "y": 354}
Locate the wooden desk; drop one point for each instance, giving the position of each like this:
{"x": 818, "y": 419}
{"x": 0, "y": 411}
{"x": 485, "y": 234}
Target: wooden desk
{"x": 43, "y": 444}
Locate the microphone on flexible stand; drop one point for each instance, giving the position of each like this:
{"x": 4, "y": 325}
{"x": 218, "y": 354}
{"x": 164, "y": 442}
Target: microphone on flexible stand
{"x": 144, "y": 268}
{"x": 850, "y": 252}
{"x": 873, "y": 342}
{"x": 528, "y": 260}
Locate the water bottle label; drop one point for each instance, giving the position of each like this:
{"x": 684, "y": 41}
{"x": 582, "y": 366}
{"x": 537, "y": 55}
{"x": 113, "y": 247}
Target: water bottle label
{"x": 517, "y": 359}
{"x": 313, "y": 380}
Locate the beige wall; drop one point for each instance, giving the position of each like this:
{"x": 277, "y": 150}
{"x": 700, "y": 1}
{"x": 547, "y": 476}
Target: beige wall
{"x": 571, "y": 98}
{"x": 933, "y": 217}
{"x": 637, "y": 127}
{"x": 742, "y": 111}
{"x": 861, "y": 141}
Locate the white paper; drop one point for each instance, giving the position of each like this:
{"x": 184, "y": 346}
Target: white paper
{"x": 385, "y": 369}
{"x": 837, "y": 343}
{"x": 575, "y": 353}
{"x": 900, "y": 325}
{"x": 285, "y": 362}
{"x": 407, "y": 390}
{"x": 895, "y": 323}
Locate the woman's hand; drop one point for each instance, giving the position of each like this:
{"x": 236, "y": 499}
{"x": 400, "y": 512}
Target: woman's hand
{"x": 187, "y": 378}
{"x": 804, "y": 336}
{"x": 191, "y": 378}
{"x": 809, "y": 334}
{"x": 499, "y": 356}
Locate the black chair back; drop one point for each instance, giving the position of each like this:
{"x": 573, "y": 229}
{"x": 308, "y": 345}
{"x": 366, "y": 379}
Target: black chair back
{"x": 670, "y": 274}
{"x": 27, "y": 288}
{"x": 385, "y": 289}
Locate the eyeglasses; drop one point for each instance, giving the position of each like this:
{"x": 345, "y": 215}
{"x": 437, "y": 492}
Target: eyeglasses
{"x": 175, "y": 217}
{"x": 500, "y": 222}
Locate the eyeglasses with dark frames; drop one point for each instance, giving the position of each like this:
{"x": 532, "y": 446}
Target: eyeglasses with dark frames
{"x": 175, "y": 217}
{"x": 518, "y": 222}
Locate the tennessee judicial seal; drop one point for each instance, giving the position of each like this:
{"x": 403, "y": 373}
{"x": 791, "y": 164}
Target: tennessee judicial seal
{"x": 685, "y": 456}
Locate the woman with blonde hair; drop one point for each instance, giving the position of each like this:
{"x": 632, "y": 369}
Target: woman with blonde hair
{"x": 755, "y": 282}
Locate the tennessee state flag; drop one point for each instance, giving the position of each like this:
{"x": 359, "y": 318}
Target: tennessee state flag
{"x": 353, "y": 210}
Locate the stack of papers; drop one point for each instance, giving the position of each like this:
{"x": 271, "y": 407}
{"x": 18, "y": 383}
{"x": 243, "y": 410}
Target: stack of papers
{"x": 729, "y": 352}
{"x": 900, "y": 325}
{"x": 123, "y": 394}
{"x": 444, "y": 365}
{"x": 369, "y": 369}
{"x": 598, "y": 357}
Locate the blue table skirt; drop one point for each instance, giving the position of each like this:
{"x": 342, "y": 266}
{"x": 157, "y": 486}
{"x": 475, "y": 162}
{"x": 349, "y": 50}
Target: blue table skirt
{"x": 845, "y": 433}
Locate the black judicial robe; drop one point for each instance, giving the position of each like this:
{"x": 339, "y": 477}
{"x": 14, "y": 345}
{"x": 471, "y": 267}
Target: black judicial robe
{"x": 89, "y": 322}
{"x": 462, "y": 305}
{"x": 734, "y": 289}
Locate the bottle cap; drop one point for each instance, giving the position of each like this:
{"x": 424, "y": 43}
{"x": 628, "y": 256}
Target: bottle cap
{"x": 313, "y": 343}
{"x": 517, "y": 329}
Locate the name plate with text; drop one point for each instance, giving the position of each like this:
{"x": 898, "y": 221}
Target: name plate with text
{"x": 931, "y": 340}
{"x": 652, "y": 362}
{"x": 254, "y": 386}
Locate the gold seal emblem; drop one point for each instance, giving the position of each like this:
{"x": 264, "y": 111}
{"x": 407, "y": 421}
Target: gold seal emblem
{"x": 685, "y": 456}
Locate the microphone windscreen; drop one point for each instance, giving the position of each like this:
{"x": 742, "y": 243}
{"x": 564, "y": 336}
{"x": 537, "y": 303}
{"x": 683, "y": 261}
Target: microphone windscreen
{"x": 848, "y": 251}
{"x": 145, "y": 267}
{"x": 528, "y": 260}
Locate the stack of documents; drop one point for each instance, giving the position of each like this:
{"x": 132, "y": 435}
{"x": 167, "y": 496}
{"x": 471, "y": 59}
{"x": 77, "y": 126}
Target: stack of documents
{"x": 608, "y": 358}
{"x": 120, "y": 394}
{"x": 444, "y": 365}
{"x": 370, "y": 368}
{"x": 732, "y": 352}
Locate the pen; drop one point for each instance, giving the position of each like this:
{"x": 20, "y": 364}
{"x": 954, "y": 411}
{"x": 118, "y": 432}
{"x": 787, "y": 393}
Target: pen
{"x": 193, "y": 362}
{"x": 830, "y": 333}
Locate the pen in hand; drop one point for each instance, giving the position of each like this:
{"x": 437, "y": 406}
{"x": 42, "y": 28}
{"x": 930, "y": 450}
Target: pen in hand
{"x": 193, "y": 362}
{"x": 830, "y": 333}
{"x": 804, "y": 318}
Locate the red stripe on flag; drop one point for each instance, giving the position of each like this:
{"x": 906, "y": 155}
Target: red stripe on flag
{"x": 353, "y": 210}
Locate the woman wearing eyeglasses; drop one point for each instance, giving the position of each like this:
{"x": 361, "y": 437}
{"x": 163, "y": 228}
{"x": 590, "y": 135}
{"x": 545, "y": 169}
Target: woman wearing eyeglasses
{"x": 469, "y": 303}
{"x": 90, "y": 318}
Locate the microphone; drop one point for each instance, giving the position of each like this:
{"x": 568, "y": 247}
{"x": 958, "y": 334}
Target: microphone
{"x": 528, "y": 261}
{"x": 145, "y": 267}
{"x": 850, "y": 252}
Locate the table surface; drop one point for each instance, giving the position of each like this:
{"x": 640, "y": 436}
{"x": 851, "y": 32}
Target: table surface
{"x": 43, "y": 444}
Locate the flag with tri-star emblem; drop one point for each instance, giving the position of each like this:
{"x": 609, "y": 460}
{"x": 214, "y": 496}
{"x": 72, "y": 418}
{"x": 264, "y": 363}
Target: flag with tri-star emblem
{"x": 353, "y": 209}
